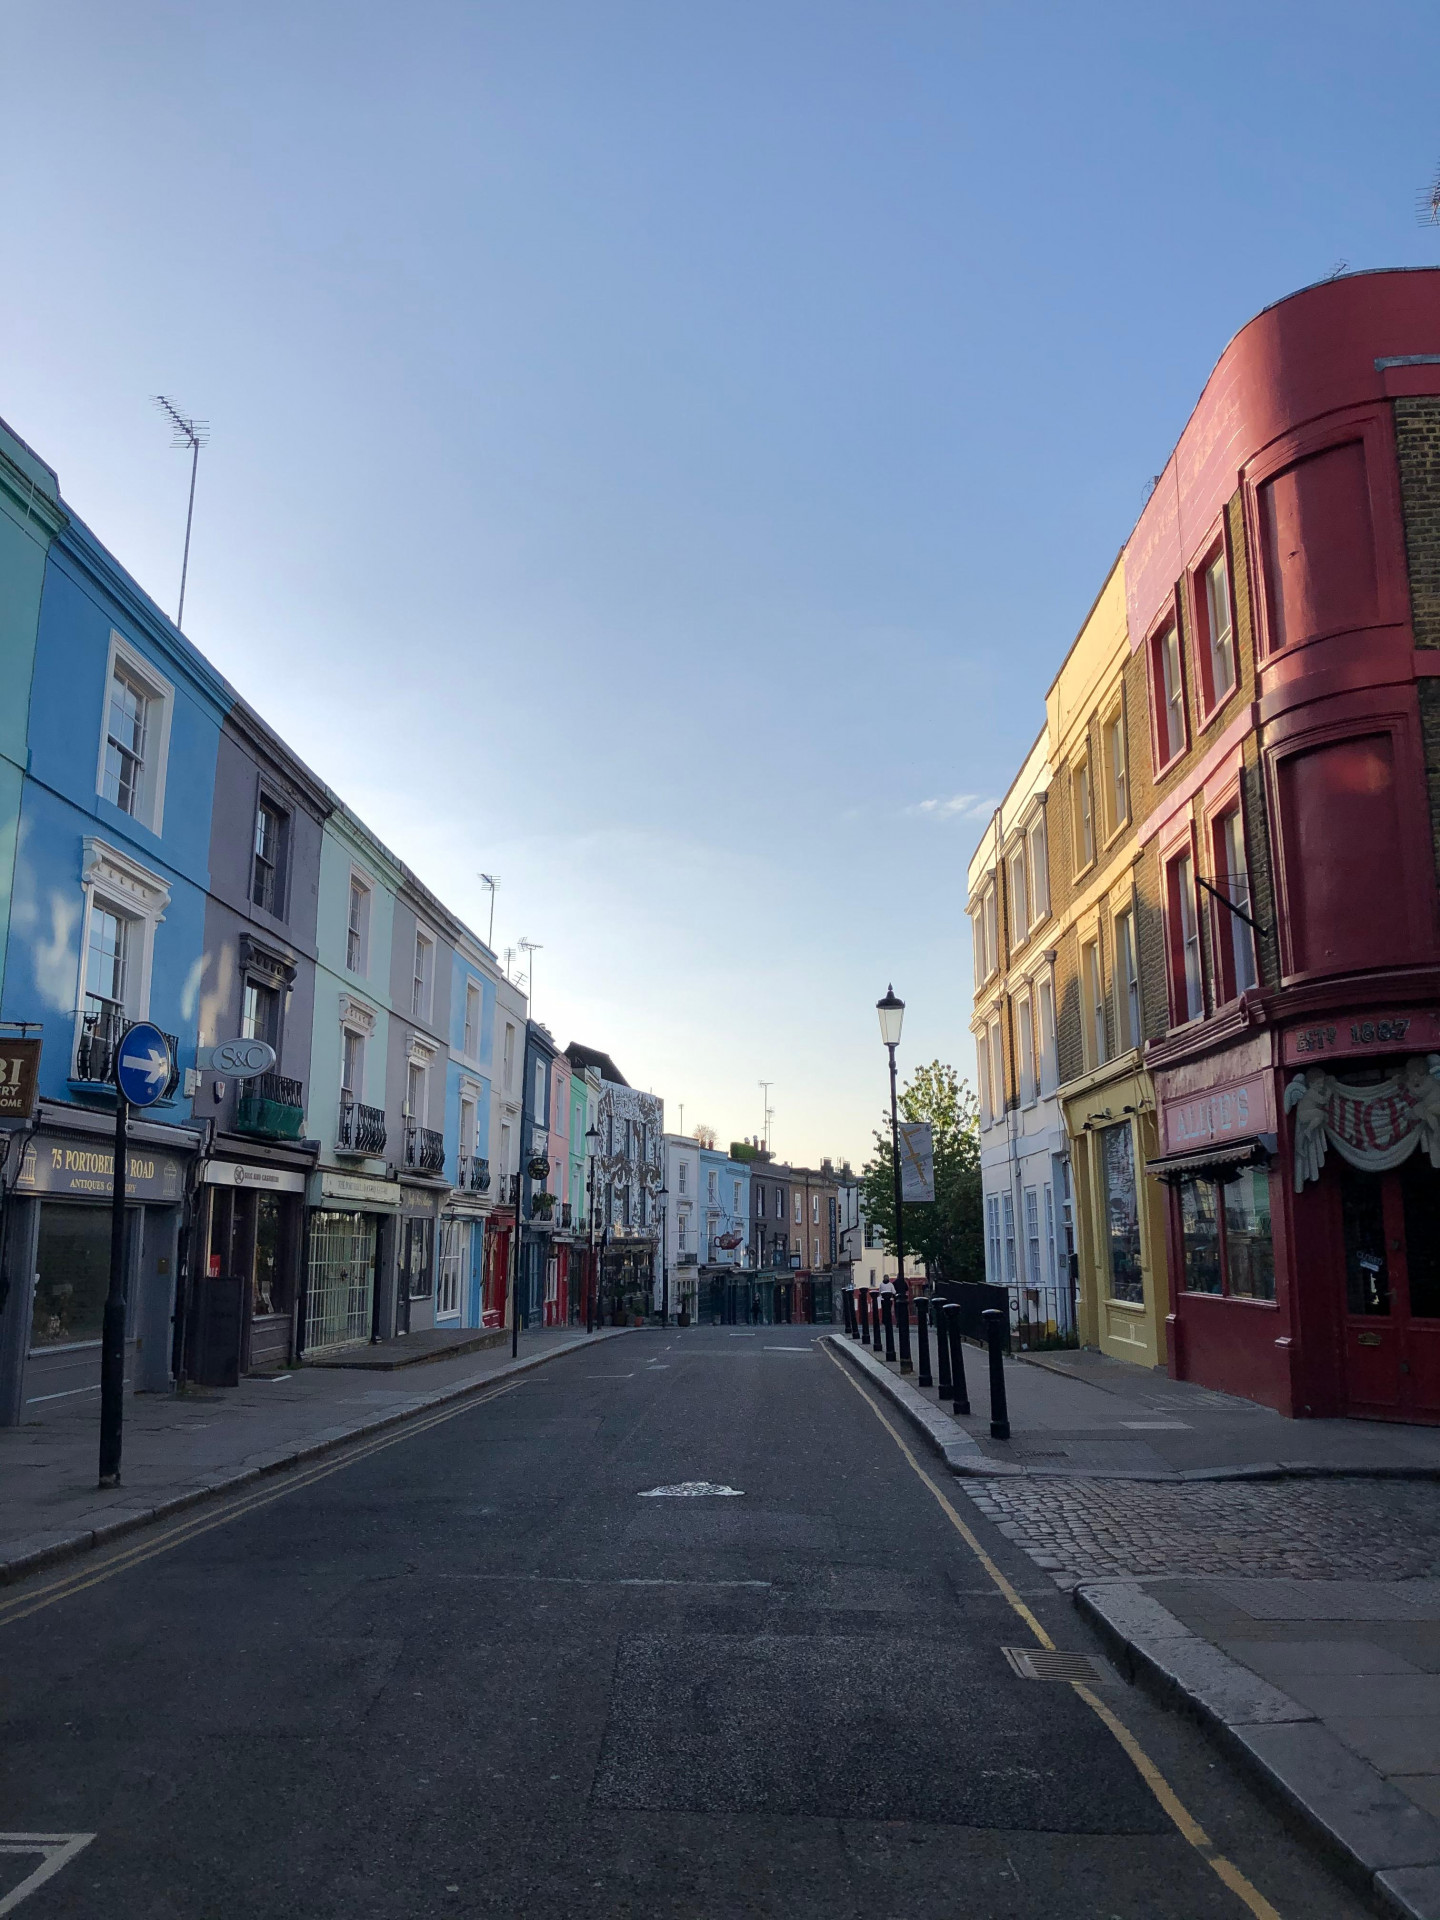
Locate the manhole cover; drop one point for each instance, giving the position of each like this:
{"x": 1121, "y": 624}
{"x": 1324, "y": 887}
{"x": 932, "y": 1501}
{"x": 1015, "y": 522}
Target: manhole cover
{"x": 692, "y": 1490}
{"x": 1053, "y": 1663}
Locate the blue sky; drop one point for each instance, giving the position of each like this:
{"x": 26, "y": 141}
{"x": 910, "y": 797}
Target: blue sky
{"x": 659, "y": 449}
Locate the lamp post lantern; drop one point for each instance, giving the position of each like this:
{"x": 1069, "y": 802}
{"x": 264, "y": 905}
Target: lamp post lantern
{"x": 892, "y": 1017}
{"x": 592, "y": 1308}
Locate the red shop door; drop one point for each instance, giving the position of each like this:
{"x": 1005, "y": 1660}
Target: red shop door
{"x": 1391, "y": 1228}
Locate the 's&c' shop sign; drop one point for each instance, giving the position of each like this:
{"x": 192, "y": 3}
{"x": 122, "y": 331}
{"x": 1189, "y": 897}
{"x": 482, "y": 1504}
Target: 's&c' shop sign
{"x": 1402, "y": 1030}
{"x": 82, "y": 1169}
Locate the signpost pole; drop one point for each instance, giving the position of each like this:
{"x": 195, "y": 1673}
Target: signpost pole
{"x": 112, "y": 1343}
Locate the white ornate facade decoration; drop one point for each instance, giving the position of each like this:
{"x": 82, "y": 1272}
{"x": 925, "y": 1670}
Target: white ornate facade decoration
{"x": 1373, "y": 1127}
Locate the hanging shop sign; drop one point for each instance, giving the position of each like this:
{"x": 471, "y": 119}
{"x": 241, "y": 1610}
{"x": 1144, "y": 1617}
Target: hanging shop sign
{"x": 19, "y": 1071}
{"x": 1398, "y": 1030}
{"x": 84, "y": 1169}
{"x": 238, "y": 1059}
{"x": 1373, "y": 1127}
{"x": 917, "y": 1162}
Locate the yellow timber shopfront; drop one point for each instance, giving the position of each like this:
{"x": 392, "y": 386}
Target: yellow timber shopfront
{"x": 1124, "y": 1287}
{"x": 350, "y": 1252}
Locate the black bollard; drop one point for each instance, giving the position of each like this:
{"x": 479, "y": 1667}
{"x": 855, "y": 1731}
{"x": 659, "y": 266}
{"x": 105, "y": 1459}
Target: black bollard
{"x": 958, "y": 1392}
{"x": 887, "y": 1308}
{"x": 875, "y": 1298}
{"x": 942, "y": 1347}
{"x": 993, "y": 1322}
{"x": 922, "y": 1329}
{"x": 902, "y": 1325}
{"x": 864, "y": 1298}
{"x": 845, "y": 1307}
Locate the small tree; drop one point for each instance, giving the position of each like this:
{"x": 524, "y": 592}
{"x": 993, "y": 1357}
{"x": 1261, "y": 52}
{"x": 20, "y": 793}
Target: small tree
{"x": 948, "y": 1234}
{"x": 704, "y": 1135}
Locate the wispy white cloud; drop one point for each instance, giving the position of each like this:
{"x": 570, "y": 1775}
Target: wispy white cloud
{"x": 954, "y": 806}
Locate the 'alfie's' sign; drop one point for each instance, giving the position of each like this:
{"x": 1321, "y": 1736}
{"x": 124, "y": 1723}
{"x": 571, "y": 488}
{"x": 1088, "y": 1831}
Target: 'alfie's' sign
{"x": 1229, "y": 1113}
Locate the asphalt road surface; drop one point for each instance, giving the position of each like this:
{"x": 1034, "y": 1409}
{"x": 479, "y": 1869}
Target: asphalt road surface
{"x": 472, "y": 1670}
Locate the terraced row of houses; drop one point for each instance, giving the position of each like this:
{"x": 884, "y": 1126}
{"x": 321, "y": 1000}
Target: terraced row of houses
{"x": 1206, "y": 918}
{"x": 164, "y": 855}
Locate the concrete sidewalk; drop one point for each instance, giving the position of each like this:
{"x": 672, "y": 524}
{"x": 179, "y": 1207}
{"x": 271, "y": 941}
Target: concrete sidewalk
{"x": 1326, "y": 1691}
{"x": 180, "y": 1448}
{"x": 1080, "y": 1413}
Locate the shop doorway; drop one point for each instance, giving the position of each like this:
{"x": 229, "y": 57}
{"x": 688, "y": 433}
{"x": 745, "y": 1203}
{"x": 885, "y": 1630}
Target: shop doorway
{"x": 1390, "y": 1225}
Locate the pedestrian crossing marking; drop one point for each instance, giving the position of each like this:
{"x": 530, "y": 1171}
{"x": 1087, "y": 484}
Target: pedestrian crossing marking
{"x": 56, "y": 1850}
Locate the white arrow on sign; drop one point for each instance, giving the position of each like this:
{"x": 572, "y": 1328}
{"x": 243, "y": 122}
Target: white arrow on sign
{"x": 155, "y": 1066}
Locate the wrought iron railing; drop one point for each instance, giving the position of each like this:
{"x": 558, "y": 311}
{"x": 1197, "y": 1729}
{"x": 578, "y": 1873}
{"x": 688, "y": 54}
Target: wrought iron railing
{"x": 272, "y": 1105}
{"x": 542, "y": 1205}
{"x": 102, "y": 1027}
{"x": 512, "y": 1191}
{"x": 424, "y": 1148}
{"x": 566, "y": 1215}
{"x": 474, "y": 1174}
{"x": 361, "y": 1128}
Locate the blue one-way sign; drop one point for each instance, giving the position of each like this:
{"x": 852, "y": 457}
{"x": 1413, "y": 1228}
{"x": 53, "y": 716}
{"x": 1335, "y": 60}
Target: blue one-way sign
{"x": 142, "y": 1064}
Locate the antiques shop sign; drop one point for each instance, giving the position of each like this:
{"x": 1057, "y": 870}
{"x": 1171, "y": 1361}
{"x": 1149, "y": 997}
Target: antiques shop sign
{"x": 1374, "y": 1127}
{"x": 1231, "y": 1112}
{"x": 1405, "y": 1030}
{"x": 85, "y": 1170}
{"x": 19, "y": 1068}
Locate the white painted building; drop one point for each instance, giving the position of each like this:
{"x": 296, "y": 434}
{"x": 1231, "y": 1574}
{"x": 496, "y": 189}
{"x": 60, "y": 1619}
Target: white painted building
{"x": 1024, "y": 1151}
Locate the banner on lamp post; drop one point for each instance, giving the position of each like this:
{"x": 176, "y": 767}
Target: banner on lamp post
{"x": 917, "y": 1162}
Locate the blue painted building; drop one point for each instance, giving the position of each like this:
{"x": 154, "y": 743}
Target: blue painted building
{"x": 106, "y": 926}
{"x": 724, "y": 1209}
{"x": 537, "y": 1195}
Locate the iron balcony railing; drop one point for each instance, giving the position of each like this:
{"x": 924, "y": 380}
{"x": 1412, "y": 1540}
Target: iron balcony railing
{"x": 102, "y": 1027}
{"x": 512, "y": 1191}
{"x": 567, "y": 1215}
{"x": 361, "y": 1128}
{"x": 271, "y": 1105}
{"x": 474, "y": 1174}
{"x": 424, "y": 1148}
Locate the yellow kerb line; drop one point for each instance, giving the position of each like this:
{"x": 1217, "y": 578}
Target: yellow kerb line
{"x": 1185, "y": 1823}
{"x": 90, "y": 1575}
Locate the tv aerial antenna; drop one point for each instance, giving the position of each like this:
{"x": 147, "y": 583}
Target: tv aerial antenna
{"x": 190, "y": 434}
{"x": 769, "y": 1111}
{"x": 1427, "y": 203}
{"x": 492, "y": 881}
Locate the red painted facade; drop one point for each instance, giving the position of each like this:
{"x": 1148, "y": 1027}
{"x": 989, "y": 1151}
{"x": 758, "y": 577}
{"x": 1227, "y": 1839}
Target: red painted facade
{"x": 1298, "y": 418}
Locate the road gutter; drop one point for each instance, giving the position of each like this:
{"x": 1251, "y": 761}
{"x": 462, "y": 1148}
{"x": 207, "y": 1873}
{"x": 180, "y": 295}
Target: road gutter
{"x": 86, "y": 1539}
{"x": 963, "y": 1455}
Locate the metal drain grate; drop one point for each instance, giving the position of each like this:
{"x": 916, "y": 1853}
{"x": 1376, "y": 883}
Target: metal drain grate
{"x": 1053, "y": 1663}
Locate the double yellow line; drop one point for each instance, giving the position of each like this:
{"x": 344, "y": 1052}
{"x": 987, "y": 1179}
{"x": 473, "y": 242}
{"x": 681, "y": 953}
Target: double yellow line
{"x": 91, "y": 1572}
{"x": 1184, "y": 1821}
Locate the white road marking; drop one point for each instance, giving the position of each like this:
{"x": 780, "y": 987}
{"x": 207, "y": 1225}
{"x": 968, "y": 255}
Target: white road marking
{"x": 56, "y": 1849}
{"x": 690, "y": 1490}
{"x": 1158, "y": 1426}
{"x": 789, "y": 1349}
{"x": 611, "y": 1376}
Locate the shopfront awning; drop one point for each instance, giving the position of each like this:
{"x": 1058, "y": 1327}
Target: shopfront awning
{"x": 1222, "y": 1160}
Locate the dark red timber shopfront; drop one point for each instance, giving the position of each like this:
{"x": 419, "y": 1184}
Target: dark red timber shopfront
{"x": 1299, "y": 1106}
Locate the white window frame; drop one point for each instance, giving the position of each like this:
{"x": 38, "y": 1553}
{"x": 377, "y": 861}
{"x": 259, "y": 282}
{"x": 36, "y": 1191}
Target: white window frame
{"x": 1187, "y": 908}
{"x": 1046, "y": 1048}
{"x": 160, "y": 694}
{"x": 1220, "y": 565}
{"x": 470, "y": 1038}
{"x": 1029, "y": 1078}
{"x": 111, "y": 879}
{"x": 450, "y": 1268}
{"x": 422, "y": 975}
{"x": 1038, "y": 841}
{"x": 1244, "y": 961}
{"x": 1082, "y": 788}
{"x": 1127, "y": 976}
{"x": 1019, "y": 880}
{"x": 359, "y": 881}
{"x": 1093, "y": 963}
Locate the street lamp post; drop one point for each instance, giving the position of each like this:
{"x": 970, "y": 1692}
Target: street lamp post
{"x": 664, "y": 1263}
{"x": 892, "y": 1016}
{"x": 592, "y": 1143}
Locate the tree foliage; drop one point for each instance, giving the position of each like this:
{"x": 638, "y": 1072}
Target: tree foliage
{"x": 948, "y": 1234}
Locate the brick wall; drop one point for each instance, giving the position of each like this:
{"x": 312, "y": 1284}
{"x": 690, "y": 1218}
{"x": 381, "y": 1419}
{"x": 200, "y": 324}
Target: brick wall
{"x": 1417, "y": 446}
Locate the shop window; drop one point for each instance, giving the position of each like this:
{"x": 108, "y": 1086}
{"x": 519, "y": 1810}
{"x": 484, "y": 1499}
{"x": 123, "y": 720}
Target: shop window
{"x": 1122, "y": 1212}
{"x": 340, "y": 1286}
{"x": 1032, "y": 1235}
{"x": 1167, "y": 693}
{"x": 72, "y": 1274}
{"x": 1235, "y": 938}
{"x": 1200, "y": 1236}
{"x": 454, "y": 1262}
{"x": 1215, "y": 630}
{"x": 992, "y": 1238}
{"x": 417, "y": 1249}
{"x": 1420, "y": 1193}
{"x": 1226, "y": 1236}
{"x": 1007, "y": 1214}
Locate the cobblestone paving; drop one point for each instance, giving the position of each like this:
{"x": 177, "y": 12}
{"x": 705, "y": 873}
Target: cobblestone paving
{"x": 1314, "y": 1530}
